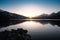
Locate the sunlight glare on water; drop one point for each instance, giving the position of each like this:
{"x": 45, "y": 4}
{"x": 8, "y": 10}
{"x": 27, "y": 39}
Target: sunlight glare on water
{"x": 30, "y": 25}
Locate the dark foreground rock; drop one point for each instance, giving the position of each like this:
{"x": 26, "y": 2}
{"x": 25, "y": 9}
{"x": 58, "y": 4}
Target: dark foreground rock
{"x": 18, "y": 34}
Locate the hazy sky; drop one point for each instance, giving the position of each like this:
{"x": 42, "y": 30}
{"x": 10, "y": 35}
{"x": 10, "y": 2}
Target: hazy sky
{"x": 37, "y": 6}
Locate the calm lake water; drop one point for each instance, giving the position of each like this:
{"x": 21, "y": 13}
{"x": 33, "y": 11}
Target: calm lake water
{"x": 39, "y": 30}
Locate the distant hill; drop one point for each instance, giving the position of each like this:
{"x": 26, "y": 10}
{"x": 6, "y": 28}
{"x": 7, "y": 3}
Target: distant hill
{"x": 4, "y": 15}
{"x": 51, "y": 16}
{"x": 54, "y": 15}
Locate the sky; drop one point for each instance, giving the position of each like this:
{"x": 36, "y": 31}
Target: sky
{"x": 30, "y": 7}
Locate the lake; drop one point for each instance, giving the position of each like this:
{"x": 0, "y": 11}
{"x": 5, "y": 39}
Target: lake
{"x": 39, "y": 29}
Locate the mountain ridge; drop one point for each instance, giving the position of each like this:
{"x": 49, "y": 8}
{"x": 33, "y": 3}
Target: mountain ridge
{"x": 5, "y": 15}
{"x": 51, "y": 16}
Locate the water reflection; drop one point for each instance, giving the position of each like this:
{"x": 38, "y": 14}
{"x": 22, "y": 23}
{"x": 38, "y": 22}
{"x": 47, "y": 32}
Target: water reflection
{"x": 5, "y": 23}
{"x": 29, "y": 25}
{"x": 52, "y": 22}
{"x": 39, "y": 29}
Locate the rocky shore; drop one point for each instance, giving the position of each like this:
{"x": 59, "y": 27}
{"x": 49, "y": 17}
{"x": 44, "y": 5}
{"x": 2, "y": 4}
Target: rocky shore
{"x": 18, "y": 34}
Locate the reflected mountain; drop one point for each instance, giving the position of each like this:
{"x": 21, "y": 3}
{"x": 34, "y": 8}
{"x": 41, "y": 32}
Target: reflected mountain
{"x": 9, "y": 22}
{"x": 13, "y": 22}
{"x": 52, "y": 22}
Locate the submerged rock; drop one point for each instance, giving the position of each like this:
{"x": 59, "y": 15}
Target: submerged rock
{"x": 18, "y": 34}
